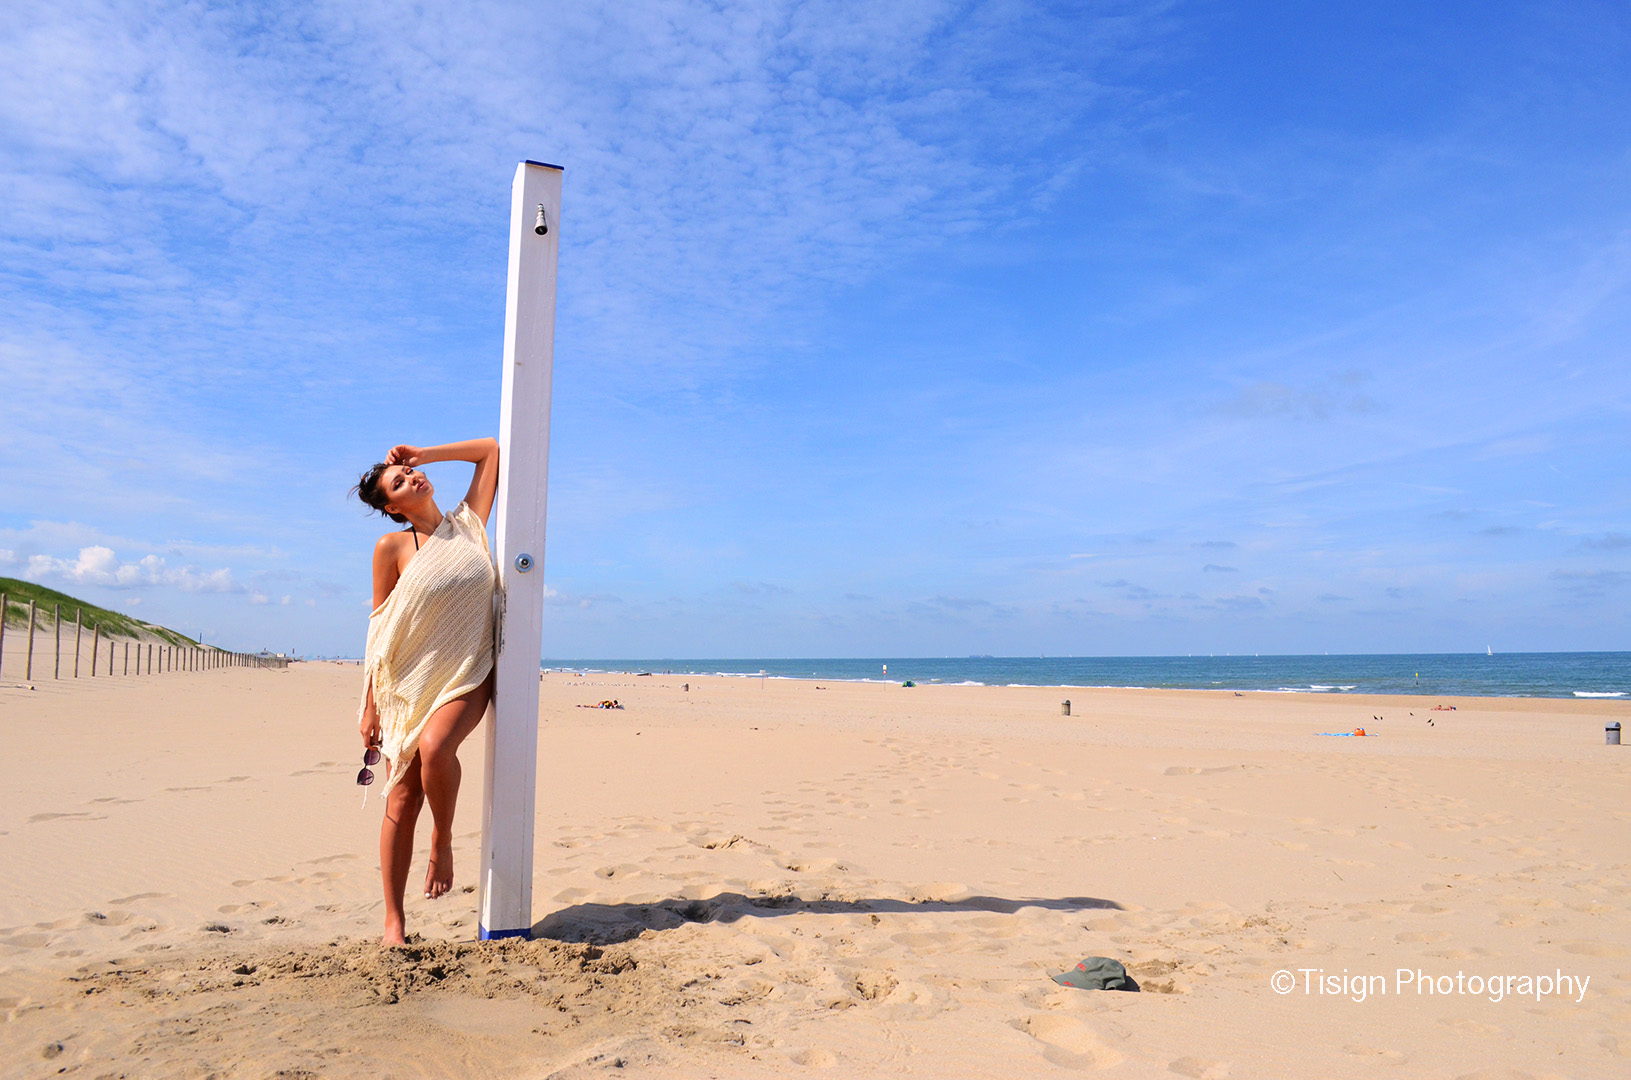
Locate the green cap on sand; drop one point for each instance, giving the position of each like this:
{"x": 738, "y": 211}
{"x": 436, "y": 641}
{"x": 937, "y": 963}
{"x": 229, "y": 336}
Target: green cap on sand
{"x": 1097, "y": 973}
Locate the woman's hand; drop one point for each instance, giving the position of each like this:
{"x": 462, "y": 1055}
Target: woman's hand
{"x": 403, "y": 454}
{"x": 369, "y": 724}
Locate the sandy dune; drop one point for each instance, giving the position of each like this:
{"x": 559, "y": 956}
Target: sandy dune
{"x": 768, "y": 879}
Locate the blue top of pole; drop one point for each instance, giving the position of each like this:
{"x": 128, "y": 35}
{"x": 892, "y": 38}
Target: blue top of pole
{"x": 546, "y": 165}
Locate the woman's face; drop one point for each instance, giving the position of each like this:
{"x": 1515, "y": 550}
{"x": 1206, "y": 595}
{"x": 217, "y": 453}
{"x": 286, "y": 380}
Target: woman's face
{"x": 404, "y": 488}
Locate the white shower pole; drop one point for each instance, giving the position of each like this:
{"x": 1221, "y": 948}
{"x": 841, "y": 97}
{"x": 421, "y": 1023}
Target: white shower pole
{"x": 523, "y": 481}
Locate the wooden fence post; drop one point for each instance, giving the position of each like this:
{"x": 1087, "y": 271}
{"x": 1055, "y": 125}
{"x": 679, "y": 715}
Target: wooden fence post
{"x": 127, "y": 658}
{"x": 28, "y": 671}
{"x": 56, "y": 671}
{"x": 5, "y": 609}
{"x": 79, "y": 624}
{"x": 96, "y": 647}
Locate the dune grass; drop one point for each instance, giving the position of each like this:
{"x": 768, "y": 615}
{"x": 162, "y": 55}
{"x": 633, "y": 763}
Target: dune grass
{"x": 113, "y": 624}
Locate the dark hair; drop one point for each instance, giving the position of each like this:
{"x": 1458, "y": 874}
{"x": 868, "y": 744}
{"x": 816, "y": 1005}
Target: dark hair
{"x": 367, "y": 489}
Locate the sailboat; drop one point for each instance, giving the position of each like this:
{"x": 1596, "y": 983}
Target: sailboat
{"x": 1489, "y": 651}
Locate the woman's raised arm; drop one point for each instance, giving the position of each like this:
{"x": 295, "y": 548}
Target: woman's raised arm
{"x": 484, "y": 452}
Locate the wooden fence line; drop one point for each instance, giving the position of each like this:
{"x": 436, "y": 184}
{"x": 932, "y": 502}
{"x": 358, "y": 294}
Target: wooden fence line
{"x": 165, "y": 659}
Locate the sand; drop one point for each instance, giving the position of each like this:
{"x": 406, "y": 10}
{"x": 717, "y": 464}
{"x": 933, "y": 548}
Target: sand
{"x": 776, "y": 878}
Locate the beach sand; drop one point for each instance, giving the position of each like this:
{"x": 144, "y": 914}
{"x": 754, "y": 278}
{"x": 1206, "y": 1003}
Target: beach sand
{"x": 774, "y": 878}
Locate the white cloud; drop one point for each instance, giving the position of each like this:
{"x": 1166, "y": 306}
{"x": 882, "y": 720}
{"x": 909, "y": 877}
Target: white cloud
{"x": 99, "y": 565}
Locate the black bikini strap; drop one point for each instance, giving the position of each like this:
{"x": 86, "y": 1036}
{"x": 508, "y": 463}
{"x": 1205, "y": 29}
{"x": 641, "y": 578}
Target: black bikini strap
{"x": 415, "y": 532}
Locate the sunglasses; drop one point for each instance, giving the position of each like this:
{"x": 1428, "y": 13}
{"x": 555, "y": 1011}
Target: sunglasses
{"x": 365, "y": 775}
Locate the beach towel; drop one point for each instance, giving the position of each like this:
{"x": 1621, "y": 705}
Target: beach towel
{"x": 432, "y": 639}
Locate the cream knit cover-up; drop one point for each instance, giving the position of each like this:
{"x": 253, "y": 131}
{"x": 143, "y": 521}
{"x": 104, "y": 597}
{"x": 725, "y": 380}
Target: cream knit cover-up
{"x": 432, "y": 639}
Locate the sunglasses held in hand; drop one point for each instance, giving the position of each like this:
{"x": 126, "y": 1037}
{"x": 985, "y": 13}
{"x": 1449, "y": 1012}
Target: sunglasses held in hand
{"x": 365, "y": 775}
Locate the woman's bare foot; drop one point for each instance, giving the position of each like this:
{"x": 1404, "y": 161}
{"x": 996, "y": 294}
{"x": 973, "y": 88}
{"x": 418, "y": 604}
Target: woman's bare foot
{"x": 393, "y": 934}
{"x": 439, "y": 876}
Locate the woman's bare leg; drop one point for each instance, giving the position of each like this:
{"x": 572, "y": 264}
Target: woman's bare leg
{"x": 439, "y": 754}
{"x": 396, "y": 847}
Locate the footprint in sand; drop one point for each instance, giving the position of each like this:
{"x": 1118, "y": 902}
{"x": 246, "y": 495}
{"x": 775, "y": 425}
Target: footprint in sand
{"x": 621, "y": 870}
{"x": 1068, "y": 1042}
{"x": 81, "y": 815}
{"x": 814, "y": 1058}
{"x": 1199, "y": 1068}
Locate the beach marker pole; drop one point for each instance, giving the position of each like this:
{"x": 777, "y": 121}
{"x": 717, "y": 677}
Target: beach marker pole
{"x": 56, "y": 620}
{"x": 509, "y": 801}
{"x": 5, "y": 609}
{"x": 28, "y": 671}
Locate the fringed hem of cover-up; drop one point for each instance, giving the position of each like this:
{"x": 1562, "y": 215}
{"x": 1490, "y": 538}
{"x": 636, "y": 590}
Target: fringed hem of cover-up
{"x": 400, "y": 760}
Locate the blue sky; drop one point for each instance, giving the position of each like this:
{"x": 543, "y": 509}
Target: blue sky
{"x": 905, "y": 329}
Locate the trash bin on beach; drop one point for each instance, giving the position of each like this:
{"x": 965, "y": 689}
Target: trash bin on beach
{"x": 1613, "y": 733}
{"x": 1064, "y": 707}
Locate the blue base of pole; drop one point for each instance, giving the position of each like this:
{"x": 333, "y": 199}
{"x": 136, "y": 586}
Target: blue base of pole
{"x": 495, "y": 935}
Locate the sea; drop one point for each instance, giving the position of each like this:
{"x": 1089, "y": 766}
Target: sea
{"x": 1556, "y": 675}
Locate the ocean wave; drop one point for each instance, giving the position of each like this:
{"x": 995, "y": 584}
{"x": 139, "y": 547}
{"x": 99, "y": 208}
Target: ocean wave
{"x": 1598, "y": 693}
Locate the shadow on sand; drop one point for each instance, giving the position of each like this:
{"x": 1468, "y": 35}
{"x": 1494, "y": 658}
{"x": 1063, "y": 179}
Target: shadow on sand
{"x": 608, "y": 924}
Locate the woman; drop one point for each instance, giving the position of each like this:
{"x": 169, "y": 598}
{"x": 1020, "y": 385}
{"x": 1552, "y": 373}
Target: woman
{"x": 428, "y": 672}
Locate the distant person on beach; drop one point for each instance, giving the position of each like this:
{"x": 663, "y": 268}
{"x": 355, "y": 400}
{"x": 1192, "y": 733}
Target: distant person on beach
{"x": 427, "y": 675}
